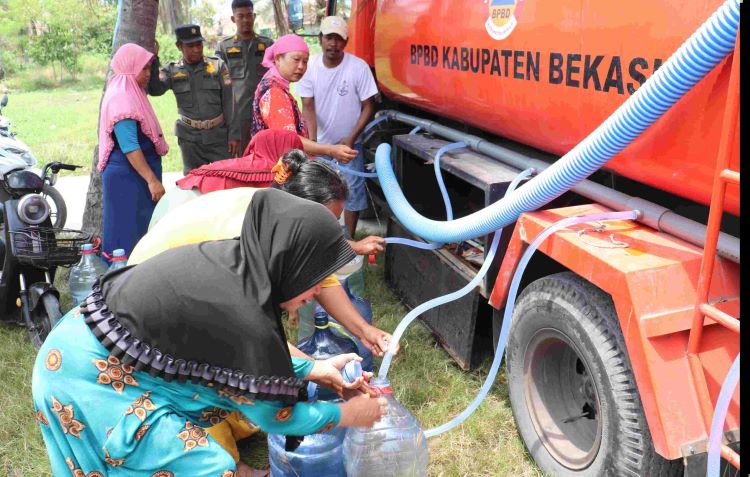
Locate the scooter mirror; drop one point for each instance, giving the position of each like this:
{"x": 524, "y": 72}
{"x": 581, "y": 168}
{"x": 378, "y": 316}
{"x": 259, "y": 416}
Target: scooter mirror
{"x": 4, "y": 101}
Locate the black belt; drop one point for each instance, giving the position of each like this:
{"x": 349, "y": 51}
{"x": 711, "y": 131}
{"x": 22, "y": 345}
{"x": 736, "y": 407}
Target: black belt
{"x": 134, "y": 352}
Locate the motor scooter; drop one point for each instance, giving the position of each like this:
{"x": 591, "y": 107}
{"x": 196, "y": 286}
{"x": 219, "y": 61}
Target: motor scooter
{"x": 13, "y": 150}
{"x": 31, "y": 249}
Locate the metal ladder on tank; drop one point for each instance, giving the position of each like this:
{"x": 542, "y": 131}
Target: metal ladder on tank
{"x": 722, "y": 178}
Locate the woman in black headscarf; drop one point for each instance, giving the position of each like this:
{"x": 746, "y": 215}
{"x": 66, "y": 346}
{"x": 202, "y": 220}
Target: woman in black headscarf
{"x": 165, "y": 348}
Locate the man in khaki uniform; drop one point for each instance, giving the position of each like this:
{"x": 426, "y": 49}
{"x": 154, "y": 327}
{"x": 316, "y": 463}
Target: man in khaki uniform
{"x": 203, "y": 88}
{"x": 243, "y": 53}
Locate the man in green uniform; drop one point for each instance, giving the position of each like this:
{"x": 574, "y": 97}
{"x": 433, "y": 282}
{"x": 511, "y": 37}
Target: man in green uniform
{"x": 243, "y": 53}
{"x": 203, "y": 88}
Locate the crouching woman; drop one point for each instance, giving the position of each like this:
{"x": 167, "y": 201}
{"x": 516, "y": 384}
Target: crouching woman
{"x": 161, "y": 350}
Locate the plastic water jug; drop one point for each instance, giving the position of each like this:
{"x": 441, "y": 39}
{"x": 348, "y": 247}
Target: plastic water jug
{"x": 305, "y": 323}
{"x": 394, "y": 447}
{"x": 363, "y": 306}
{"x": 318, "y": 454}
{"x": 355, "y": 277}
{"x": 307, "y": 327}
{"x": 83, "y": 275}
{"x": 324, "y": 344}
{"x": 119, "y": 260}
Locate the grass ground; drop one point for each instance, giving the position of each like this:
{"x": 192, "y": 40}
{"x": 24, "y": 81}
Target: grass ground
{"x": 61, "y": 124}
{"x": 424, "y": 377}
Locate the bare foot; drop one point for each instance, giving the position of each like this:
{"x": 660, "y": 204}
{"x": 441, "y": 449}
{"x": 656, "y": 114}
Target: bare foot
{"x": 244, "y": 470}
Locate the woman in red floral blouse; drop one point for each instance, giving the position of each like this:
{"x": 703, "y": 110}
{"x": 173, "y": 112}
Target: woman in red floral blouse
{"x": 274, "y": 107}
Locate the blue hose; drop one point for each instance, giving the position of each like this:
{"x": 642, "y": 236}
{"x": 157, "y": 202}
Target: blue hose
{"x": 428, "y": 305}
{"x": 446, "y": 200}
{"x": 709, "y": 45}
{"x": 335, "y": 165}
{"x": 439, "y": 176}
{"x": 371, "y": 125}
{"x": 510, "y": 304}
{"x": 720, "y": 414}
{"x": 412, "y": 243}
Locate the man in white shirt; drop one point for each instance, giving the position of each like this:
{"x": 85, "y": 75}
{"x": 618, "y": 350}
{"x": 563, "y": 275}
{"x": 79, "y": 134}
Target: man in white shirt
{"x": 338, "y": 100}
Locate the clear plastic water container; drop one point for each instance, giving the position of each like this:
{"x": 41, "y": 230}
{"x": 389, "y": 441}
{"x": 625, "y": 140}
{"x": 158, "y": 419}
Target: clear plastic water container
{"x": 305, "y": 323}
{"x": 119, "y": 260}
{"x": 318, "y": 454}
{"x": 324, "y": 344}
{"x": 394, "y": 447}
{"x": 355, "y": 275}
{"x": 84, "y": 274}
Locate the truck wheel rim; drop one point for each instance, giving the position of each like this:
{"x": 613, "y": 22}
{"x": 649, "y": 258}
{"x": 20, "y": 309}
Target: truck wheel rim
{"x": 559, "y": 387}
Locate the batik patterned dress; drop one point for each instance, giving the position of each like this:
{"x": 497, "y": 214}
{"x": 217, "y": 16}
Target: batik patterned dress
{"x": 100, "y": 417}
{"x": 274, "y": 107}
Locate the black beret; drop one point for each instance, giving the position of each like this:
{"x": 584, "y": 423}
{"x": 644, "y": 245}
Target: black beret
{"x": 188, "y": 33}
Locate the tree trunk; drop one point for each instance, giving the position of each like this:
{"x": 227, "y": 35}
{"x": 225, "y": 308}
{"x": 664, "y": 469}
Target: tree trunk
{"x": 136, "y": 23}
{"x": 173, "y": 13}
{"x": 280, "y": 17}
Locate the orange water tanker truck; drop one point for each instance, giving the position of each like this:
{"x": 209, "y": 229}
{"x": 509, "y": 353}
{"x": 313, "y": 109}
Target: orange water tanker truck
{"x": 623, "y": 332}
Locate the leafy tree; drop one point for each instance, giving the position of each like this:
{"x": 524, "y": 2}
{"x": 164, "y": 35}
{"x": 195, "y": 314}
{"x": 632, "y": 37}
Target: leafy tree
{"x": 202, "y": 13}
{"x": 57, "y": 32}
{"x": 57, "y": 47}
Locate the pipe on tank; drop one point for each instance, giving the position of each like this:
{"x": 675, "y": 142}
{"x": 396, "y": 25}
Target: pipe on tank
{"x": 652, "y": 215}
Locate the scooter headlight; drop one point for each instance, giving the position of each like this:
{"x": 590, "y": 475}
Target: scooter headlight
{"x": 33, "y": 209}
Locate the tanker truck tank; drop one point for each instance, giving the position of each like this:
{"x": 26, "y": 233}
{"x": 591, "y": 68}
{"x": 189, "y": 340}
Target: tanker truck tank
{"x": 545, "y": 74}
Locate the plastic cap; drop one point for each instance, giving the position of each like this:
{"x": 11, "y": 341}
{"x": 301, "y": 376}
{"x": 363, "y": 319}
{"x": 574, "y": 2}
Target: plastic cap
{"x": 119, "y": 253}
{"x": 352, "y": 370}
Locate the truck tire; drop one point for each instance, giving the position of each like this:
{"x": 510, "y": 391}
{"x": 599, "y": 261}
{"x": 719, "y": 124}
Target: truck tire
{"x": 59, "y": 211}
{"x": 571, "y": 385}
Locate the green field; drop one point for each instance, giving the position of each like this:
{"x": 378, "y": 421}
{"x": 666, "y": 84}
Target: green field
{"x": 61, "y": 124}
{"x": 424, "y": 378}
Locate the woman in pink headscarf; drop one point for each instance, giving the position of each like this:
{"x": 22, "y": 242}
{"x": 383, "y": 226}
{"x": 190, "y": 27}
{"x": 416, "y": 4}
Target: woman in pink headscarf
{"x": 274, "y": 107}
{"x": 131, "y": 144}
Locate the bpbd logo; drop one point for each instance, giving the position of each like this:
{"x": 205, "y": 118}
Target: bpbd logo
{"x": 503, "y": 16}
